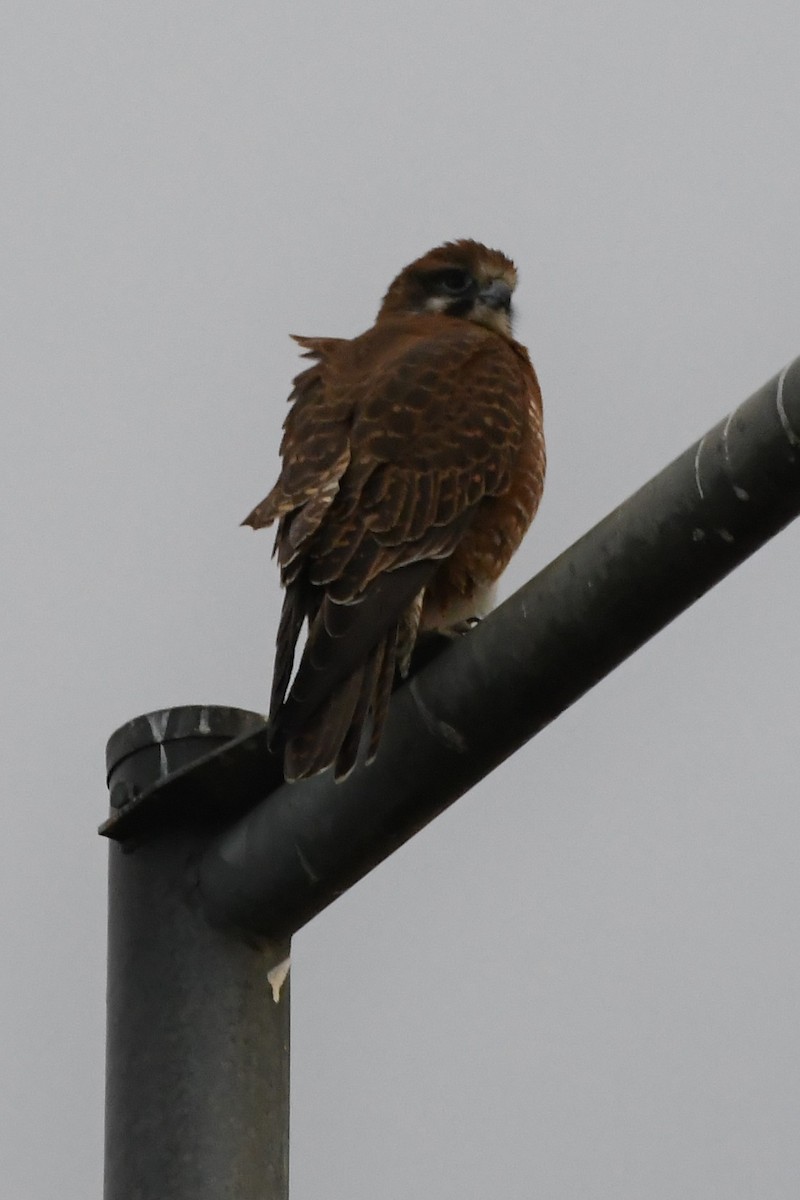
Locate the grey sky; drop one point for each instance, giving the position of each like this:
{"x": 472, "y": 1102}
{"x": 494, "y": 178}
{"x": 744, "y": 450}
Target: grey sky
{"x": 583, "y": 979}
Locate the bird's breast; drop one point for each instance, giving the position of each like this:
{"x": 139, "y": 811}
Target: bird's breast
{"x": 464, "y": 580}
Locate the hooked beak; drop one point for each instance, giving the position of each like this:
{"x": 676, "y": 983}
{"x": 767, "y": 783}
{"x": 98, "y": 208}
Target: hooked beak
{"x": 496, "y": 295}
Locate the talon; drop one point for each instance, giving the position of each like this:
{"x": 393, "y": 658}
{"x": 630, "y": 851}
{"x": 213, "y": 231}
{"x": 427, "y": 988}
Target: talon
{"x": 461, "y": 627}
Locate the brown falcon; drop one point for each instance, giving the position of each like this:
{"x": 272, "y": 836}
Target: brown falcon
{"x": 413, "y": 463}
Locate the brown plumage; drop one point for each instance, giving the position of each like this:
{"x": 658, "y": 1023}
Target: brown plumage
{"x": 413, "y": 463}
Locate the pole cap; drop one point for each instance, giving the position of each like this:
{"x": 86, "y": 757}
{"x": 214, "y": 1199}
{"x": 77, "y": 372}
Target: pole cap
{"x": 147, "y": 750}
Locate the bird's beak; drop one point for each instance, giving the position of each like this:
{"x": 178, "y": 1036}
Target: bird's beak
{"x": 496, "y": 295}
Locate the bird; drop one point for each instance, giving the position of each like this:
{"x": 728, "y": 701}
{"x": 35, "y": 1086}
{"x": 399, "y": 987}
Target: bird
{"x": 413, "y": 462}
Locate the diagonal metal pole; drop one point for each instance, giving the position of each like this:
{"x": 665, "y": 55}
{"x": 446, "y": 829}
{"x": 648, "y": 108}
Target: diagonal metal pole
{"x": 494, "y": 689}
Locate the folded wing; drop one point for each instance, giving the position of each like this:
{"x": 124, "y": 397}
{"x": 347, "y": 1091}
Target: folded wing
{"x": 393, "y": 442}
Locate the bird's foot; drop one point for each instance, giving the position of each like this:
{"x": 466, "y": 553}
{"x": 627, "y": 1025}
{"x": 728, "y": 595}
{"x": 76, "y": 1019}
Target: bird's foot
{"x": 459, "y": 628}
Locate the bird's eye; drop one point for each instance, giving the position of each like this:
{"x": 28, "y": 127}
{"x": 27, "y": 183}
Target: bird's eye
{"x": 453, "y": 281}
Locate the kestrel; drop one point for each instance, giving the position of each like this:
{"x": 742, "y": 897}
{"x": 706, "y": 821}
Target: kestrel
{"x": 413, "y": 463}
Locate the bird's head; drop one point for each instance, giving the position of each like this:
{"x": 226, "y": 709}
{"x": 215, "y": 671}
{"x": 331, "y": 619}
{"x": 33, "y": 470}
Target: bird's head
{"x": 459, "y": 279}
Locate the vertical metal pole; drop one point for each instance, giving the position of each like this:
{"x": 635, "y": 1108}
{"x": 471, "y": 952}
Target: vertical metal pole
{"x": 197, "y": 1077}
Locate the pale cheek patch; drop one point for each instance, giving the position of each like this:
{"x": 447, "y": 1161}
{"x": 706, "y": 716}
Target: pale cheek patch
{"x": 495, "y": 319}
{"x": 437, "y": 304}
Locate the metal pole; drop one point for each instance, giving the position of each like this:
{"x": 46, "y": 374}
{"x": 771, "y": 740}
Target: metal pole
{"x": 197, "y": 1100}
{"x": 197, "y": 1095}
{"x": 492, "y": 690}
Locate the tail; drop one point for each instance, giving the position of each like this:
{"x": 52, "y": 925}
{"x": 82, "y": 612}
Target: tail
{"x": 334, "y": 733}
{"x": 344, "y": 680}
